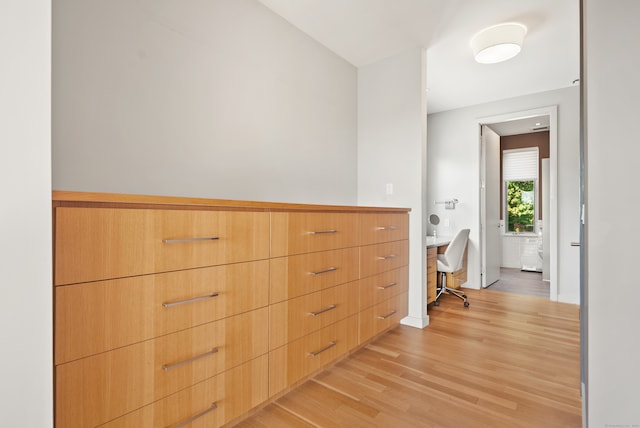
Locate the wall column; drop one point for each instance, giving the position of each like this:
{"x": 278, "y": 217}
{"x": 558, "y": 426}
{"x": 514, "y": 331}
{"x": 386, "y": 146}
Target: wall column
{"x": 392, "y": 146}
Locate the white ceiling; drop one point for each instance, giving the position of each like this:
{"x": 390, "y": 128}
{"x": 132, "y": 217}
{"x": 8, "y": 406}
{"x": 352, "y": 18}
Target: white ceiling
{"x": 521, "y": 126}
{"x": 366, "y": 31}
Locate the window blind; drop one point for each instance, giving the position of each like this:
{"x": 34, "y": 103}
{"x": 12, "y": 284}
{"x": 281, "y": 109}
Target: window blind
{"x": 520, "y": 164}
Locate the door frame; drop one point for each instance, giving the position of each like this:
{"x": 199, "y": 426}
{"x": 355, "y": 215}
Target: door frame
{"x": 552, "y": 112}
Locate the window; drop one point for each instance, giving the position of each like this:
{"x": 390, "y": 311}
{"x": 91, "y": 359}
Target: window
{"x": 520, "y": 175}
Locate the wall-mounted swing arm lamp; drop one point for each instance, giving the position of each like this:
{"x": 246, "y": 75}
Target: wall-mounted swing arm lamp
{"x": 449, "y": 204}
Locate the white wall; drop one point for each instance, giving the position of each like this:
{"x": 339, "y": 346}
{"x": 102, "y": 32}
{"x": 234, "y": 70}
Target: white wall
{"x": 219, "y": 99}
{"x": 392, "y": 150}
{"x": 612, "y": 61}
{"x": 453, "y": 172}
{"x": 26, "y": 376}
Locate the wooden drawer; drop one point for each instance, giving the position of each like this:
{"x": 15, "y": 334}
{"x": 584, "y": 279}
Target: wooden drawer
{"x": 375, "y": 289}
{"x": 294, "y": 276}
{"x": 290, "y": 363}
{"x": 432, "y": 273}
{"x": 382, "y": 316}
{"x": 96, "y": 389}
{"x": 102, "y": 243}
{"x": 376, "y": 228}
{"x": 208, "y": 404}
{"x": 297, "y": 317}
{"x": 99, "y": 316}
{"x": 378, "y": 258}
{"x": 455, "y": 280}
{"x": 298, "y": 233}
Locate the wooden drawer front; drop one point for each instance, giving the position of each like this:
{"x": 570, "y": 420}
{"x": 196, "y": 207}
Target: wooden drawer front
{"x": 432, "y": 273}
{"x": 455, "y": 280}
{"x": 99, "y": 316}
{"x": 378, "y": 288}
{"x": 298, "y": 233}
{"x": 103, "y": 243}
{"x": 432, "y": 290}
{"x": 234, "y": 392}
{"x": 294, "y": 318}
{"x": 96, "y": 389}
{"x": 376, "y": 228}
{"x": 380, "y": 258}
{"x": 290, "y": 363}
{"x": 432, "y": 259}
{"x": 382, "y": 316}
{"x": 294, "y": 276}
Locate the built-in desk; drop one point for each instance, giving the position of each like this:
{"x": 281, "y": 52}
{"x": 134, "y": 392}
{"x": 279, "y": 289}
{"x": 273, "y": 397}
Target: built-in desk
{"x": 437, "y": 246}
{"x": 438, "y": 242}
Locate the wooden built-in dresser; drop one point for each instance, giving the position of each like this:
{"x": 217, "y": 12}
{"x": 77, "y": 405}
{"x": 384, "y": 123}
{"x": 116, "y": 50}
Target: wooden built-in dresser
{"x": 175, "y": 312}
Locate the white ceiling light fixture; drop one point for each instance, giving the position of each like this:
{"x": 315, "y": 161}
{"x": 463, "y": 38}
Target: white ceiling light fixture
{"x": 498, "y": 43}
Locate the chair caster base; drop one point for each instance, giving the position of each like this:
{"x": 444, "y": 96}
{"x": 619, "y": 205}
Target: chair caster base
{"x": 436, "y": 303}
{"x": 466, "y": 304}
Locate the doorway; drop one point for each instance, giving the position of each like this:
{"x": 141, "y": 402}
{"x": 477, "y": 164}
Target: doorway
{"x": 496, "y": 232}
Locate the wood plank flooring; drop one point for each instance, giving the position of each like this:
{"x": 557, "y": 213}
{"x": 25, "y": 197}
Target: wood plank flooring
{"x": 506, "y": 361}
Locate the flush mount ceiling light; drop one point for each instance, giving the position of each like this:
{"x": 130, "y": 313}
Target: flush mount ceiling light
{"x": 498, "y": 43}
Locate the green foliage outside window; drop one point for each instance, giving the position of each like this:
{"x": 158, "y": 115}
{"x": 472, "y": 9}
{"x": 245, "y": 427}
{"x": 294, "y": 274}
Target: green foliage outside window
{"x": 520, "y": 205}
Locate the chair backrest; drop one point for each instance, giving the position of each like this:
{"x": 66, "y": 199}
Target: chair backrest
{"x": 454, "y": 253}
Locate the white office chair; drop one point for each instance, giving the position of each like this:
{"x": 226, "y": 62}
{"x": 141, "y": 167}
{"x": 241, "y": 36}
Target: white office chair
{"x": 451, "y": 261}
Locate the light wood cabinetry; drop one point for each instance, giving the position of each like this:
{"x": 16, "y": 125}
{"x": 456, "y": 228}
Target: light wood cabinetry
{"x": 294, "y": 361}
{"x": 384, "y": 273}
{"x": 432, "y": 274}
{"x": 376, "y": 228}
{"x": 206, "y": 404}
{"x": 98, "y": 316}
{"x": 298, "y": 233}
{"x": 380, "y": 317}
{"x": 96, "y": 389}
{"x": 297, "y": 317}
{"x": 182, "y": 311}
{"x": 313, "y": 293}
{"x": 102, "y": 243}
{"x": 379, "y": 258}
{"x": 377, "y": 288}
{"x": 293, "y": 276}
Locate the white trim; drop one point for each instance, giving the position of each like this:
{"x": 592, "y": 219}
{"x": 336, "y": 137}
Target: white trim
{"x": 415, "y": 322}
{"x": 552, "y": 112}
{"x": 569, "y": 298}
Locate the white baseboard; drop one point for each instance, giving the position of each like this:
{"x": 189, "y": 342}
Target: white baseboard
{"x": 569, "y": 298}
{"x": 415, "y": 322}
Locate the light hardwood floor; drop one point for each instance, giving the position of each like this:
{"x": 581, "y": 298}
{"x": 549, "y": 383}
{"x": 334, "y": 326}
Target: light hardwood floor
{"x": 506, "y": 361}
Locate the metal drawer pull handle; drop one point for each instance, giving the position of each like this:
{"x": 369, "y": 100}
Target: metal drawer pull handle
{"x": 331, "y": 269}
{"x": 173, "y": 241}
{"x": 384, "y": 317}
{"x": 384, "y": 287}
{"x": 389, "y": 257}
{"x": 195, "y": 299}
{"x": 316, "y": 353}
{"x": 327, "y": 309}
{"x": 387, "y": 228}
{"x": 323, "y": 232}
{"x": 166, "y": 367}
{"x": 575, "y": 244}
{"x": 199, "y": 415}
